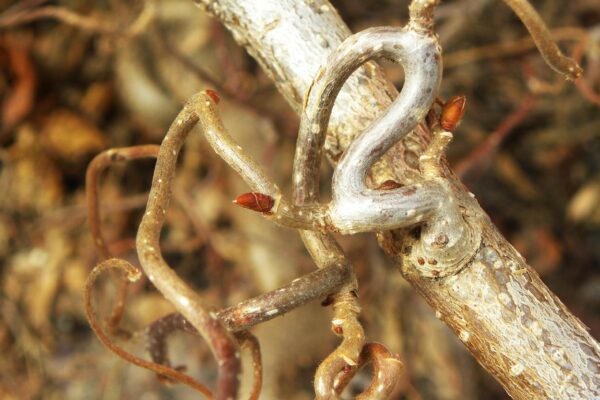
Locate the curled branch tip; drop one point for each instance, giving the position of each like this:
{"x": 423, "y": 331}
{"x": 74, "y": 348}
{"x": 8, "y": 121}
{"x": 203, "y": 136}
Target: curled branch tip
{"x": 543, "y": 40}
{"x": 133, "y": 274}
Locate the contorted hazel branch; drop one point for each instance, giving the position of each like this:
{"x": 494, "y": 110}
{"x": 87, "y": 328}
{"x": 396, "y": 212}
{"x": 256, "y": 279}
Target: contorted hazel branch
{"x": 515, "y": 327}
{"x": 448, "y": 237}
{"x": 355, "y": 207}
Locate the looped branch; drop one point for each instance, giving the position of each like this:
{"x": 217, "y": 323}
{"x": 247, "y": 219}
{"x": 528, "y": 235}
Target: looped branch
{"x": 133, "y": 274}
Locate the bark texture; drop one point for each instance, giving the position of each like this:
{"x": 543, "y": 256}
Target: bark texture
{"x": 496, "y": 304}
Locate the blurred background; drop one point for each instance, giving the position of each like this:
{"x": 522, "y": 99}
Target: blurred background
{"x": 78, "y": 77}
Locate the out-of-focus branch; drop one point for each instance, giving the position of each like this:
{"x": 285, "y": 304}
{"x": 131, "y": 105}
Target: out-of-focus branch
{"x": 497, "y": 305}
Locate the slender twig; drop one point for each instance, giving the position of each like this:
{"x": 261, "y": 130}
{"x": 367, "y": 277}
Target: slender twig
{"x": 387, "y": 368}
{"x": 182, "y": 296}
{"x": 345, "y": 324}
{"x": 133, "y": 274}
{"x": 156, "y": 335}
{"x": 251, "y": 312}
{"x": 504, "y": 49}
{"x": 250, "y": 342}
{"x": 318, "y": 284}
{"x": 84, "y": 22}
{"x": 95, "y": 168}
{"x": 543, "y": 39}
{"x": 248, "y": 313}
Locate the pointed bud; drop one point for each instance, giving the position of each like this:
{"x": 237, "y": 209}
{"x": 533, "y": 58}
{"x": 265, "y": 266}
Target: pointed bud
{"x": 452, "y": 112}
{"x": 256, "y": 202}
{"x": 389, "y": 185}
{"x": 213, "y": 95}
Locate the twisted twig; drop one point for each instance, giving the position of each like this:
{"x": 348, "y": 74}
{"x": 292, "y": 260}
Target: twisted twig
{"x": 183, "y": 297}
{"x": 133, "y": 275}
{"x": 157, "y": 333}
{"x": 311, "y": 137}
{"x": 386, "y": 369}
{"x": 354, "y": 206}
{"x": 95, "y": 168}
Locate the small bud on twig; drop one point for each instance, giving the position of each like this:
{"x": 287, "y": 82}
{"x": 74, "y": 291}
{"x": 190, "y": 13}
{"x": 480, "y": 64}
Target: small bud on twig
{"x": 256, "y": 202}
{"x": 389, "y": 185}
{"x": 452, "y": 112}
{"x": 213, "y": 95}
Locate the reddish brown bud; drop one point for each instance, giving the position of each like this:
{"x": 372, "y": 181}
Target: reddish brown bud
{"x": 421, "y": 261}
{"x": 347, "y": 368}
{"x": 338, "y": 329}
{"x": 213, "y": 95}
{"x": 452, "y": 112}
{"x": 389, "y": 185}
{"x": 255, "y": 201}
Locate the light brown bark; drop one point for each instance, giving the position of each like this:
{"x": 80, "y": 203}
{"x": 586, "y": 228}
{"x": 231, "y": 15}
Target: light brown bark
{"x": 497, "y": 305}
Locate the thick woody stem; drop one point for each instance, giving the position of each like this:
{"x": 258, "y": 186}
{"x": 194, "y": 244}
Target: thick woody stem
{"x": 497, "y": 306}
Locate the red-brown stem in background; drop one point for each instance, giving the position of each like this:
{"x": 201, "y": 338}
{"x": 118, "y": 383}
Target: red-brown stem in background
{"x": 95, "y": 168}
{"x": 133, "y": 274}
{"x": 485, "y": 151}
{"x": 585, "y": 88}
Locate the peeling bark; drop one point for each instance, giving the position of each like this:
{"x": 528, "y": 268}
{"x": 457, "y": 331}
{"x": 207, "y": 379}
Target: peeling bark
{"x": 496, "y": 304}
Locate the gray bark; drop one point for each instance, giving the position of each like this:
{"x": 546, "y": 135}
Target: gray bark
{"x": 515, "y": 327}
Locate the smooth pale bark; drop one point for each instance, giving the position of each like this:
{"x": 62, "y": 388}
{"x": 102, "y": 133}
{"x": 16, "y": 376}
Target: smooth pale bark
{"x": 497, "y": 305}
